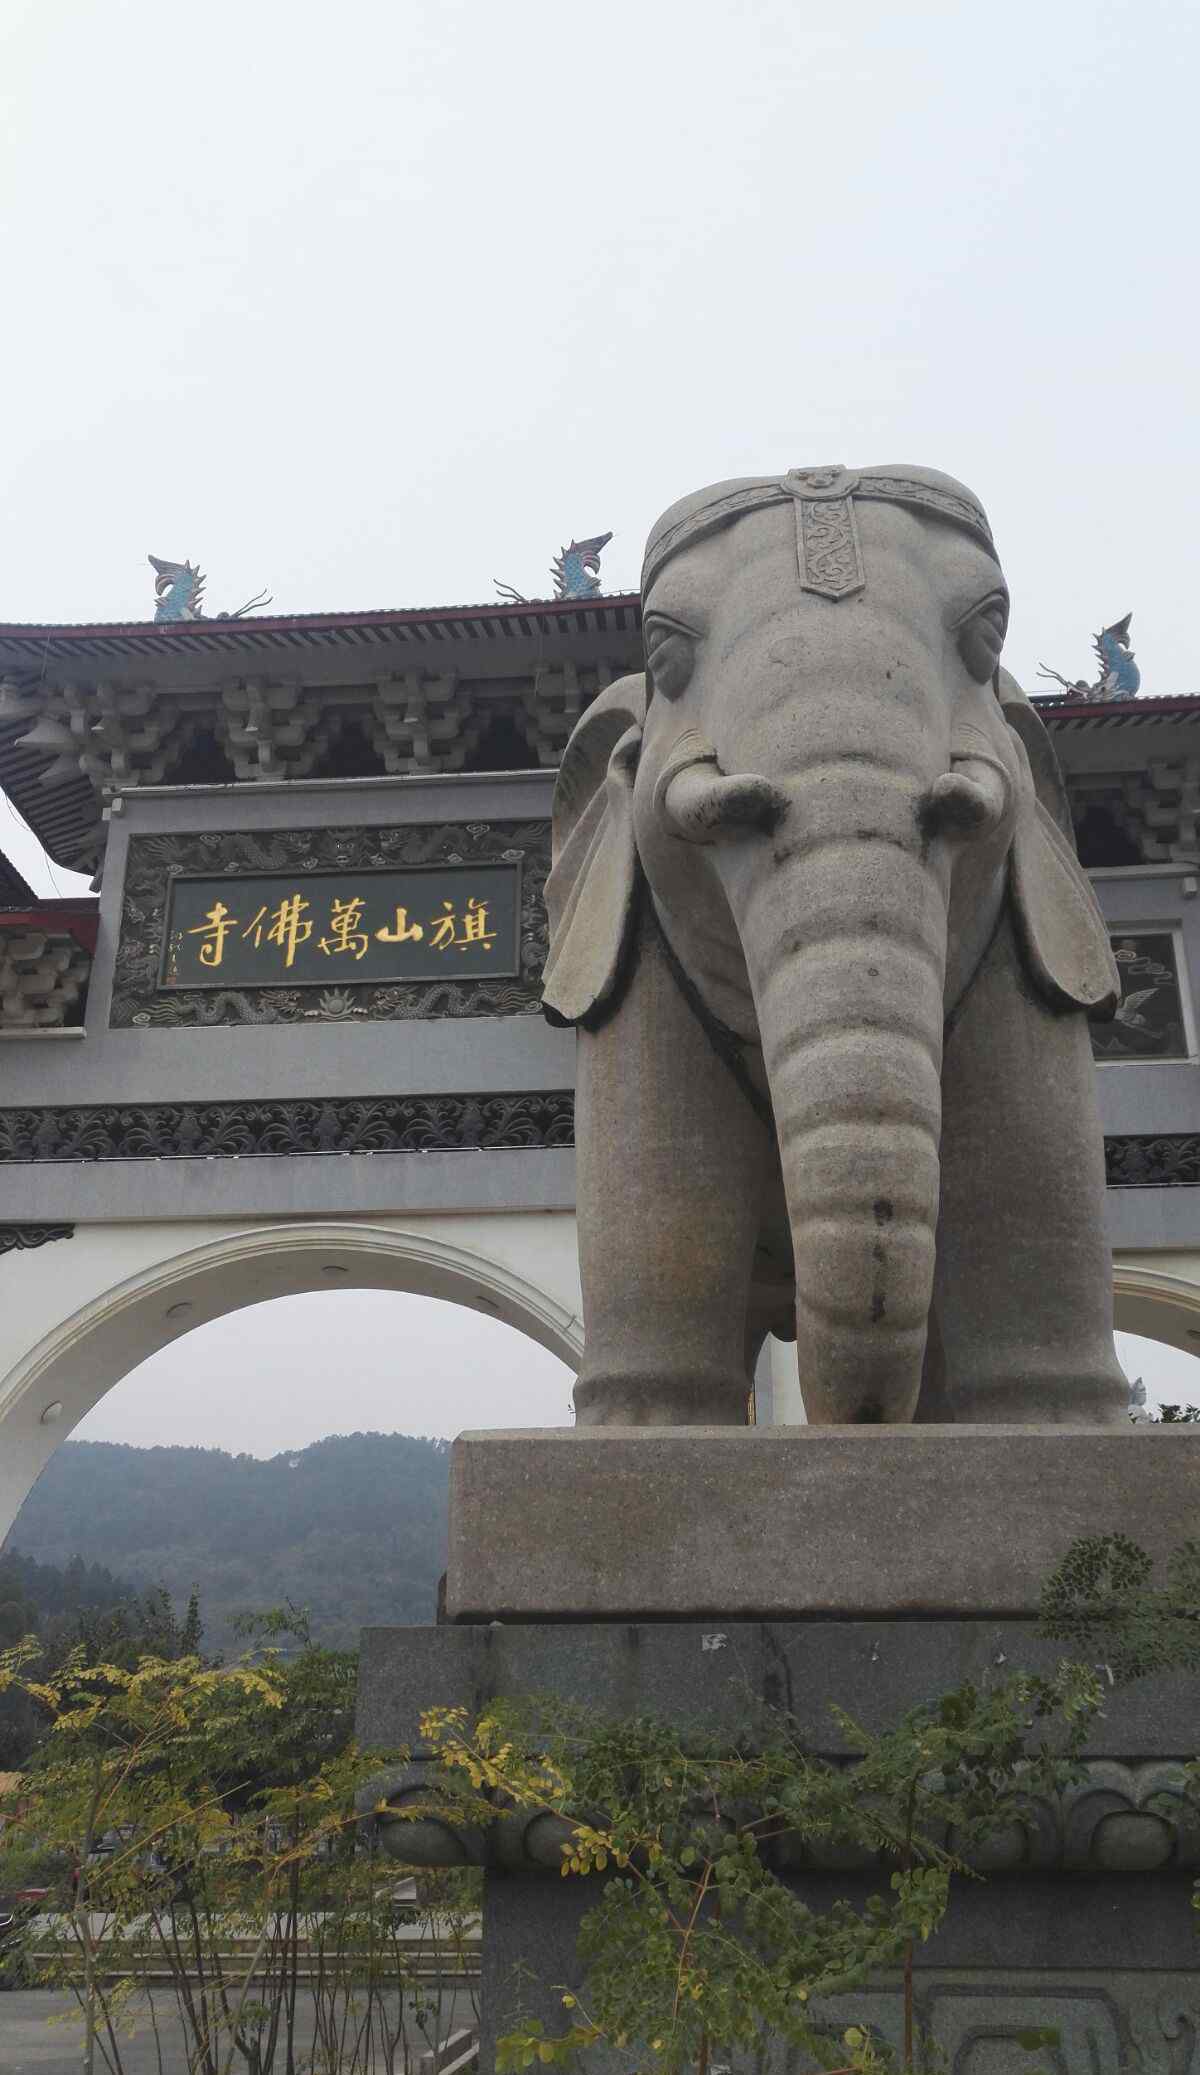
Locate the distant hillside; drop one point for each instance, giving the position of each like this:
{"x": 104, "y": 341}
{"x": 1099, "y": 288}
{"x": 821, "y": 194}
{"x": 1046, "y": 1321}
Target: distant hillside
{"x": 34, "y": 1594}
{"x": 51, "y": 1603}
{"x": 353, "y": 1528}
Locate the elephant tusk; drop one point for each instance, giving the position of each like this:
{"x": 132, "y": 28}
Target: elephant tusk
{"x": 703, "y": 805}
{"x": 969, "y": 801}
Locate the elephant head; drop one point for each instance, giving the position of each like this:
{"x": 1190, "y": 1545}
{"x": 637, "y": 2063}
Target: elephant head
{"x": 833, "y": 797}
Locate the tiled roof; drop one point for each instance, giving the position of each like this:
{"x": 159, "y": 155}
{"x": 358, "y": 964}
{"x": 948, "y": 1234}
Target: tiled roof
{"x": 101, "y": 694}
{"x": 71, "y": 915}
{"x": 15, "y": 892}
{"x": 26, "y": 644}
{"x": 1060, "y": 706}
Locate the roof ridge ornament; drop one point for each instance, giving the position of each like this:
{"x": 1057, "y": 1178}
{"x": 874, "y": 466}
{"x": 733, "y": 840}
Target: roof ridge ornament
{"x": 576, "y": 569}
{"x": 179, "y": 591}
{"x": 1119, "y": 676}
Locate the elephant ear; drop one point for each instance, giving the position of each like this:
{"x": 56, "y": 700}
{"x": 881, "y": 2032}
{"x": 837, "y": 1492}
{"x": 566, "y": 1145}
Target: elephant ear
{"x": 591, "y": 894}
{"x": 1061, "y": 930}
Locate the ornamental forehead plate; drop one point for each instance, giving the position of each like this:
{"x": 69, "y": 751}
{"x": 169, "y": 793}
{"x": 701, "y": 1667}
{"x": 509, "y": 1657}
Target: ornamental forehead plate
{"x": 822, "y": 483}
{"x": 828, "y": 554}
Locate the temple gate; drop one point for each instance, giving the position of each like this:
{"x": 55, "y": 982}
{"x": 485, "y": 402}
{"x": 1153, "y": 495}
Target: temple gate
{"x": 294, "y": 1040}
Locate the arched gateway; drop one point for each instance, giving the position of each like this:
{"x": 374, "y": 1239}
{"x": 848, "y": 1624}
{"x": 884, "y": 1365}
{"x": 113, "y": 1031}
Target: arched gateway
{"x": 297, "y": 1032}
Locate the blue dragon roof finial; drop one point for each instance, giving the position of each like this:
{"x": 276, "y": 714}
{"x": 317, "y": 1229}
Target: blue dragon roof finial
{"x": 576, "y": 570}
{"x": 179, "y": 589}
{"x": 1119, "y": 675}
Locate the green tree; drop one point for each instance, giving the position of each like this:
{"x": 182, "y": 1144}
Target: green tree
{"x": 1104, "y": 1598}
{"x": 54, "y": 1605}
{"x": 145, "y": 1625}
{"x": 204, "y": 1818}
{"x": 696, "y": 1942}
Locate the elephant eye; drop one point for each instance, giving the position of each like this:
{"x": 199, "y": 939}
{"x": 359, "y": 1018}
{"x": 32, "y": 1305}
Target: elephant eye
{"x": 670, "y": 654}
{"x": 981, "y": 634}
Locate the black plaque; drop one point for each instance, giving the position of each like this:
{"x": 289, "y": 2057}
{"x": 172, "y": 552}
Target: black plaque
{"x": 328, "y": 929}
{"x": 1149, "y": 1020}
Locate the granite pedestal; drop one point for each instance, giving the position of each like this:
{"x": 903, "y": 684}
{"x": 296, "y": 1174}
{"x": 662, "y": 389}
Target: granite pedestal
{"x": 1083, "y": 1922}
{"x": 664, "y": 1523}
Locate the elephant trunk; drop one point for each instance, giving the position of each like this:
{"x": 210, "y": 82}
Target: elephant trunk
{"x": 842, "y": 914}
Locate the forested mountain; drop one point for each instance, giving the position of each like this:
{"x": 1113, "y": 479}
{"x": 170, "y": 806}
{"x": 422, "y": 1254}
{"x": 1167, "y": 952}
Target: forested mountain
{"x": 353, "y": 1528}
{"x": 35, "y": 1595}
{"x": 56, "y": 1606}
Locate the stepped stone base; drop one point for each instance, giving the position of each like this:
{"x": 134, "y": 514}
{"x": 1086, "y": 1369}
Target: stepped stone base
{"x": 686, "y": 1523}
{"x": 699, "y": 1573}
{"x": 1084, "y": 1922}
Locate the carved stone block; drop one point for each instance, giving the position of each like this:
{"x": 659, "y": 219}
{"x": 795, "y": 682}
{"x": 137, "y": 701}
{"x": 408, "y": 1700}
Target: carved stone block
{"x": 788, "y": 1521}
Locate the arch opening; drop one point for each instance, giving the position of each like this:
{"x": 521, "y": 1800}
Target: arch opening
{"x": 78, "y": 1361}
{"x": 286, "y": 1372}
{"x": 1156, "y": 1317}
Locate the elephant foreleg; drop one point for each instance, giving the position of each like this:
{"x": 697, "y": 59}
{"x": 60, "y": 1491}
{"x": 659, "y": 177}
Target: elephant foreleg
{"x": 1024, "y": 1275}
{"x": 672, "y": 1164}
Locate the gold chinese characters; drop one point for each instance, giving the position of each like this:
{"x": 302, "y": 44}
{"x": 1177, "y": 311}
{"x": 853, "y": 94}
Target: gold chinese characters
{"x": 347, "y": 932}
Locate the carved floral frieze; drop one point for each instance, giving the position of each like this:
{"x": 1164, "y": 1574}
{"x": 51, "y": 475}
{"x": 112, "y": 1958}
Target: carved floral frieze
{"x": 1164, "y": 1160}
{"x": 20, "y": 1238}
{"x": 246, "y": 1130}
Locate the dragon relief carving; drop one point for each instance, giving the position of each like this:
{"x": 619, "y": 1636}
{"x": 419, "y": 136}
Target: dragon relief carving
{"x": 154, "y": 860}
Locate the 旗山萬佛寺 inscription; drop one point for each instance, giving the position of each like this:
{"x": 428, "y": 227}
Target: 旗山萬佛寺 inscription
{"x": 307, "y": 929}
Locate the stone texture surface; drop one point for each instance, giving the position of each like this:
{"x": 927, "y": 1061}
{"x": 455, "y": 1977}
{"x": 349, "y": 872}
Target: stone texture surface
{"x": 696, "y": 1671}
{"x": 604, "y": 1523}
{"x": 1113, "y": 1970}
{"x": 840, "y": 827}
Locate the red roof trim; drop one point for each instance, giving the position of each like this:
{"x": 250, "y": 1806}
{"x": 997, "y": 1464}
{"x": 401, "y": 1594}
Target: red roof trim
{"x": 1056, "y": 708}
{"x": 320, "y": 621}
{"x": 72, "y": 918}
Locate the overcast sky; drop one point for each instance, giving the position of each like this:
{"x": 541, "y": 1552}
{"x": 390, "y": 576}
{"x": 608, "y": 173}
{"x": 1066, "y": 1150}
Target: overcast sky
{"x": 337, "y": 1362}
{"x": 375, "y": 303}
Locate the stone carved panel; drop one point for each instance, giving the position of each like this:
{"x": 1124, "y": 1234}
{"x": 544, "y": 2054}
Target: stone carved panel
{"x": 1116, "y": 1818}
{"x": 20, "y": 1238}
{"x": 248, "y": 1130}
{"x": 1149, "y": 1020}
{"x": 154, "y": 860}
{"x": 977, "y": 2029}
{"x": 830, "y": 558}
{"x": 1106, "y": 2023}
{"x": 1168, "y": 1160}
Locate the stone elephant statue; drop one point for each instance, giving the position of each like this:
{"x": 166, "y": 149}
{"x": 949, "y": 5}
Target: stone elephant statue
{"x": 817, "y": 915}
